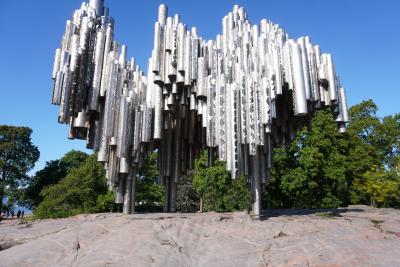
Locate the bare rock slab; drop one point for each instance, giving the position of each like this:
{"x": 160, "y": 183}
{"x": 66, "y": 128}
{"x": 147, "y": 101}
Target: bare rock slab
{"x": 353, "y": 236}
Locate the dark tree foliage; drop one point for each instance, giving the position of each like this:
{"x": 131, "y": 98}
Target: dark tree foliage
{"x": 17, "y": 157}
{"x": 53, "y": 172}
{"x": 325, "y": 169}
{"x": 311, "y": 172}
{"x": 217, "y": 190}
{"x": 187, "y": 199}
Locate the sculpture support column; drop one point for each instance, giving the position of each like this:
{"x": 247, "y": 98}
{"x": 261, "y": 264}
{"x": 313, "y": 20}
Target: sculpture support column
{"x": 128, "y": 195}
{"x": 172, "y": 195}
{"x": 166, "y": 198}
{"x": 119, "y": 194}
{"x": 256, "y": 186}
{"x": 133, "y": 191}
{"x": 210, "y": 157}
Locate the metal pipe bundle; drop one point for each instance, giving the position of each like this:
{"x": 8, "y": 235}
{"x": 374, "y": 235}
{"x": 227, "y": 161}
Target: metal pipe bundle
{"x": 238, "y": 96}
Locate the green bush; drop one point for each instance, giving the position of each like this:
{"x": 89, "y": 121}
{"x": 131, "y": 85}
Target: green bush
{"x": 379, "y": 188}
{"x": 105, "y": 202}
{"x": 218, "y": 192}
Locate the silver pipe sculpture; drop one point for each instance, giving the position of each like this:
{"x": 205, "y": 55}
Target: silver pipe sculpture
{"x": 238, "y": 96}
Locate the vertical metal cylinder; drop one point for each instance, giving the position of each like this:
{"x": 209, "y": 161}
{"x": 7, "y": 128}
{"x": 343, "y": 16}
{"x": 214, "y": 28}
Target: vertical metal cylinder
{"x": 119, "y": 194}
{"x": 122, "y": 57}
{"x": 177, "y": 149}
{"x": 256, "y": 186}
{"x": 98, "y": 69}
{"x": 343, "y": 104}
{"x": 167, "y": 35}
{"x": 187, "y": 60}
{"x": 106, "y": 61}
{"x": 331, "y": 78}
{"x": 162, "y": 14}
{"x": 98, "y": 6}
{"x": 132, "y": 173}
{"x": 65, "y": 97}
{"x": 157, "y": 48}
{"x": 56, "y": 64}
{"x": 171, "y": 194}
{"x": 158, "y": 118}
{"x": 201, "y": 79}
{"x": 127, "y": 208}
{"x": 299, "y": 100}
{"x": 181, "y": 47}
{"x": 304, "y": 61}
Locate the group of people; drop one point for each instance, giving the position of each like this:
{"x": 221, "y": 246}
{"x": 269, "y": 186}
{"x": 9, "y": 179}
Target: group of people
{"x": 19, "y": 214}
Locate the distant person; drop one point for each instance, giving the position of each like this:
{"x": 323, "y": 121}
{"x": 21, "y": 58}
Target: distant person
{"x": 12, "y": 214}
{"x": 8, "y": 214}
{"x": 22, "y": 214}
{"x": 18, "y": 214}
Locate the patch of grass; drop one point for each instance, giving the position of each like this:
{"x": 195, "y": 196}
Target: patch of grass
{"x": 328, "y": 214}
{"x": 27, "y": 219}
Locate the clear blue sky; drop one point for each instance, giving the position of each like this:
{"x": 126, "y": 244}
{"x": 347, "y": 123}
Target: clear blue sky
{"x": 363, "y": 36}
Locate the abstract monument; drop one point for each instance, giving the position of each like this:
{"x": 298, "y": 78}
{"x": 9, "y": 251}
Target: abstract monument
{"x": 237, "y": 96}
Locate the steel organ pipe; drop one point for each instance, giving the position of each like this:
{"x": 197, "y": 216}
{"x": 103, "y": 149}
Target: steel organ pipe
{"x": 98, "y": 61}
{"x": 300, "y": 99}
{"x": 331, "y": 78}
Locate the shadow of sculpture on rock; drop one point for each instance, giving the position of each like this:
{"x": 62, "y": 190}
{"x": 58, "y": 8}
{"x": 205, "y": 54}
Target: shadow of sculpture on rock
{"x": 329, "y": 213}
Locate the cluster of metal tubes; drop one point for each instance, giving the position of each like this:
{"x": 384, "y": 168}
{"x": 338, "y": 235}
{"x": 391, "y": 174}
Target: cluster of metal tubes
{"x": 237, "y": 96}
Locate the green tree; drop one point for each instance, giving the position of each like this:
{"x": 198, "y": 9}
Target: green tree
{"x": 322, "y": 168}
{"x": 53, "y": 172}
{"x": 73, "y": 159}
{"x": 380, "y": 138}
{"x": 17, "y": 157}
{"x": 147, "y": 186}
{"x": 381, "y": 188}
{"x": 218, "y": 192}
{"x": 78, "y": 192}
{"x": 363, "y": 153}
{"x": 389, "y": 140}
{"x": 311, "y": 171}
{"x": 374, "y": 150}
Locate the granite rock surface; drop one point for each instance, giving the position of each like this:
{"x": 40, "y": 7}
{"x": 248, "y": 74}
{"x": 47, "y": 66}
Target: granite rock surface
{"x": 353, "y": 236}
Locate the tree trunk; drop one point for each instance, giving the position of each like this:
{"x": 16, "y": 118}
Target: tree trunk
{"x": 201, "y": 204}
